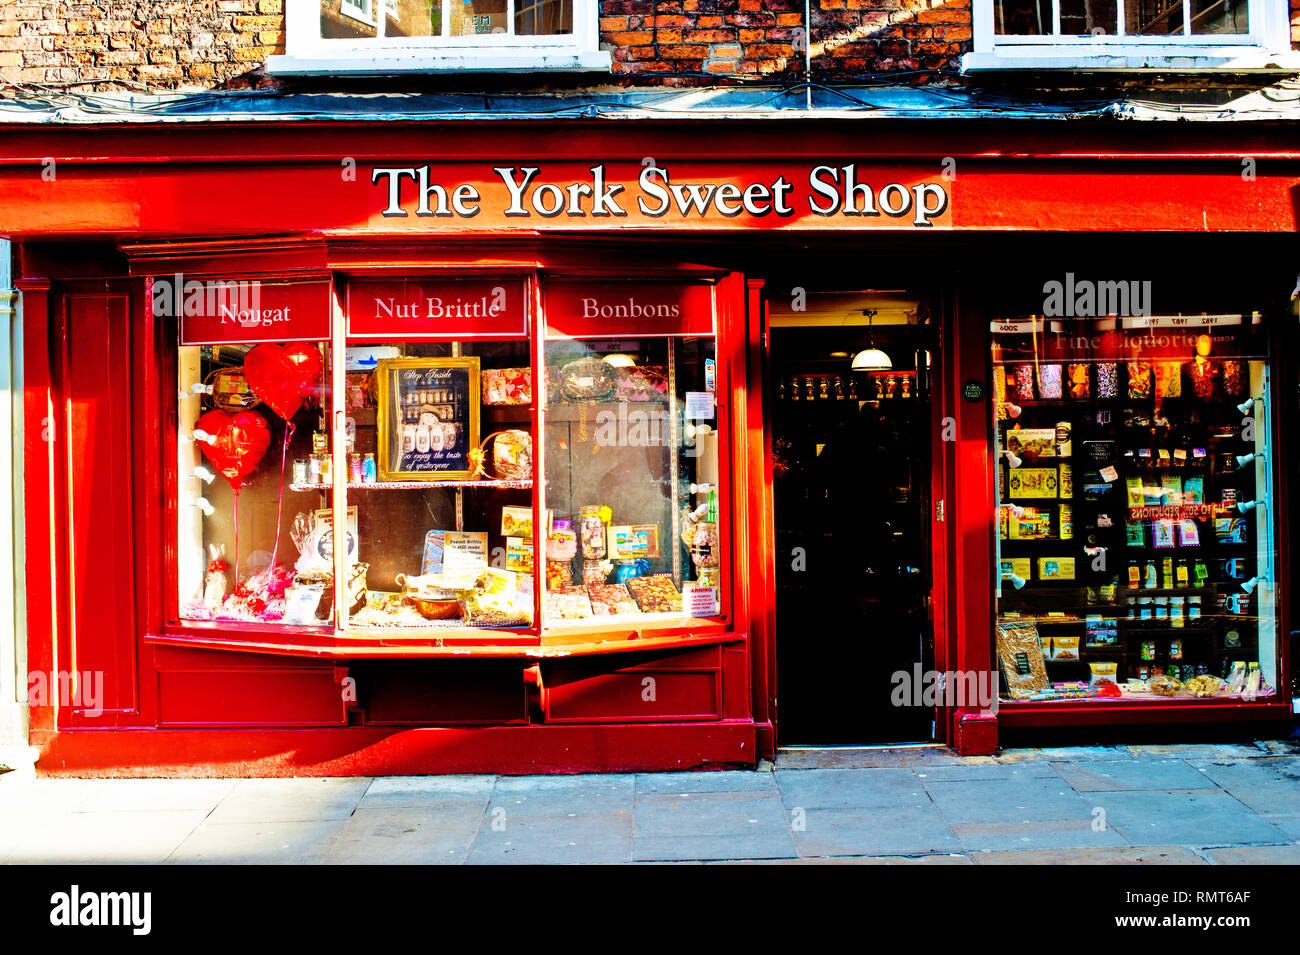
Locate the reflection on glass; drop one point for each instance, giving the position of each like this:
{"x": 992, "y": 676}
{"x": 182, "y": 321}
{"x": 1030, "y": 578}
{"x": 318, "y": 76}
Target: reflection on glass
{"x": 631, "y": 478}
{"x": 351, "y": 19}
{"x": 543, "y": 17}
{"x": 348, "y": 19}
{"x": 1153, "y": 17}
{"x": 478, "y": 17}
{"x": 1088, "y": 17}
{"x": 1022, "y": 17}
{"x": 242, "y": 551}
{"x": 1134, "y": 536}
{"x": 1220, "y": 16}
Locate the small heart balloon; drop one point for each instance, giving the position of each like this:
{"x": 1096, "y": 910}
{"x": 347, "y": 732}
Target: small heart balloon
{"x": 282, "y": 375}
{"x": 241, "y": 440}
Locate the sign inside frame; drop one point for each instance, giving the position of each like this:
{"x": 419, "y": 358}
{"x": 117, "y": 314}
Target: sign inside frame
{"x": 428, "y": 418}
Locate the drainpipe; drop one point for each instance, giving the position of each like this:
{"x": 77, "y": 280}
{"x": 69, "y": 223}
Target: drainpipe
{"x": 13, "y": 645}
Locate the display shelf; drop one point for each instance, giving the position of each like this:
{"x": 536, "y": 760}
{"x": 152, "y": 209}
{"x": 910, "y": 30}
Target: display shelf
{"x": 415, "y": 485}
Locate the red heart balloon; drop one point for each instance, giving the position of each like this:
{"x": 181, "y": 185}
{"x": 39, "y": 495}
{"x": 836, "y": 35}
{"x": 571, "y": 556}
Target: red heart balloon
{"x": 282, "y": 375}
{"x": 241, "y": 440}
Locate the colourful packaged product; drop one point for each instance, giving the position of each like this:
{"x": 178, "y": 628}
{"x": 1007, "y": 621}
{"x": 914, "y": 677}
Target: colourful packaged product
{"x": 1049, "y": 381}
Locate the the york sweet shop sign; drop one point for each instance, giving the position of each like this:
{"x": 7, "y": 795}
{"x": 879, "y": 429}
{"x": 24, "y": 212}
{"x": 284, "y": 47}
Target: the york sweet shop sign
{"x": 607, "y": 194}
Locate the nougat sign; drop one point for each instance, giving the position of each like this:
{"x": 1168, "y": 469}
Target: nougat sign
{"x": 701, "y": 195}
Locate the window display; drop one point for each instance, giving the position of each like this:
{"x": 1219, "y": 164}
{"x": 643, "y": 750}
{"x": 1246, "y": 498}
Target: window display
{"x": 245, "y": 413}
{"x": 632, "y": 478}
{"x": 441, "y": 524}
{"x": 436, "y": 514}
{"x": 1135, "y": 527}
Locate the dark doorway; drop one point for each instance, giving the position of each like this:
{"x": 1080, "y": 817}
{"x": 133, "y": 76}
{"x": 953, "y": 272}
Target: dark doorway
{"x": 852, "y": 502}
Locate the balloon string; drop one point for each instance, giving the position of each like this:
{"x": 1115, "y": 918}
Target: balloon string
{"x": 279, "y": 504}
{"x": 235, "y": 565}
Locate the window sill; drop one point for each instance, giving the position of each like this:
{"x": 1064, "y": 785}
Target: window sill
{"x": 1132, "y": 59}
{"x": 469, "y": 61}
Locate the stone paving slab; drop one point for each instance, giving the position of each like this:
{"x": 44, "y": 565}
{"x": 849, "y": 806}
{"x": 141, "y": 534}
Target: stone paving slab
{"x": 895, "y": 830}
{"x": 944, "y": 859}
{"x": 406, "y": 836}
{"x": 98, "y": 838}
{"x": 1137, "y": 855}
{"x": 1034, "y": 799}
{"x": 699, "y": 814}
{"x": 547, "y": 839}
{"x": 840, "y": 758}
{"x": 1042, "y": 834}
{"x": 1004, "y": 771}
{"x": 710, "y": 782}
{"x": 1197, "y": 818}
{"x": 1270, "y": 784}
{"x": 1256, "y": 855}
{"x": 290, "y": 800}
{"x": 258, "y": 843}
{"x": 1128, "y": 774}
{"x": 850, "y": 788}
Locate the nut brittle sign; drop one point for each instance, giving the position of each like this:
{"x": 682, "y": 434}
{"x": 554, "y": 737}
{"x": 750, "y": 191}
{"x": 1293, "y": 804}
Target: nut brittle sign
{"x": 626, "y": 194}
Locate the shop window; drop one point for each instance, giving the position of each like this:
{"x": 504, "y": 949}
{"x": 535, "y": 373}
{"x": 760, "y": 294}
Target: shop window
{"x": 405, "y": 502}
{"x": 254, "y": 543}
{"x": 633, "y": 495}
{"x": 386, "y": 36}
{"x": 1130, "y": 34}
{"x": 1135, "y": 526}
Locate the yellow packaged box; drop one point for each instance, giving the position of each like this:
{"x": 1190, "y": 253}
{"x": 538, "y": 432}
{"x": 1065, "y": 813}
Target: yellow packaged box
{"x": 1056, "y": 568}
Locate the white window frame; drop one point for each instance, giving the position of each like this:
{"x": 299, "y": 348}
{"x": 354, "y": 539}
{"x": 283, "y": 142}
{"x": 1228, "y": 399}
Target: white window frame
{"x": 1266, "y": 48}
{"x": 307, "y": 52}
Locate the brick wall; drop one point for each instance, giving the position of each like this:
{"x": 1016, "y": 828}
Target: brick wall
{"x": 164, "y": 44}
{"x": 203, "y": 44}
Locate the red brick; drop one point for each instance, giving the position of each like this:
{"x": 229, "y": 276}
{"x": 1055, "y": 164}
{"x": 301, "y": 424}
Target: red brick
{"x": 752, "y": 36}
{"x": 270, "y": 6}
{"x": 957, "y": 34}
{"x": 944, "y": 16}
{"x": 720, "y": 66}
{"x": 121, "y": 58}
{"x": 762, "y": 50}
{"x": 683, "y": 52}
{"x": 726, "y": 50}
{"x": 668, "y": 36}
{"x": 710, "y": 36}
{"x": 789, "y": 19}
{"x": 612, "y": 24}
{"x": 631, "y": 38}
{"x": 80, "y": 43}
{"x": 252, "y": 54}
{"x": 251, "y": 24}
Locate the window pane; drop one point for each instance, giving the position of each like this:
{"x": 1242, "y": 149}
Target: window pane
{"x": 543, "y": 17}
{"x": 1220, "y": 16}
{"x": 478, "y": 17}
{"x": 1135, "y": 529}
{"x": 446, "y": 543}
{"x": 1084, "y": 17}
{"x": 347, "y": 19}
{"x": 243, "y": 551}
{"x": 1022, "y": 17}
{"x": 412, "y": 17}
{"x": 1153, "y": 17}
{"x": 631, "y": 478}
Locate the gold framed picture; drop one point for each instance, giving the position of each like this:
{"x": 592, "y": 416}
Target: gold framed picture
{"x": 428, "y": 418}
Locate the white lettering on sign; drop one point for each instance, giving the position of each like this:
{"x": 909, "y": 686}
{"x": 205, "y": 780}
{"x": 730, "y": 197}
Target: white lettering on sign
{"x": 833, "y": 191}
{"x": 593, "y": 308}
{"x": 435, "y": 306}
{"x": 254, "y": 317}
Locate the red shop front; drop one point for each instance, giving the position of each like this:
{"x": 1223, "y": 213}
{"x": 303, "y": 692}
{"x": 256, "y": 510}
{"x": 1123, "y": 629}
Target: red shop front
{"x": 619, "y": 449}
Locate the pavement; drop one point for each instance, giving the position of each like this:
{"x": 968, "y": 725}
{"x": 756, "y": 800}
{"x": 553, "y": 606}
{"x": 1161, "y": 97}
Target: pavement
{"x": 1198, "y": 804}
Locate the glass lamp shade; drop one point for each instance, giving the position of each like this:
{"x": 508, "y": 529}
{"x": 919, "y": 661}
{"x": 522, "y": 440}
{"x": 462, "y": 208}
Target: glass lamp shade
{"x": 871, "y": 359}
